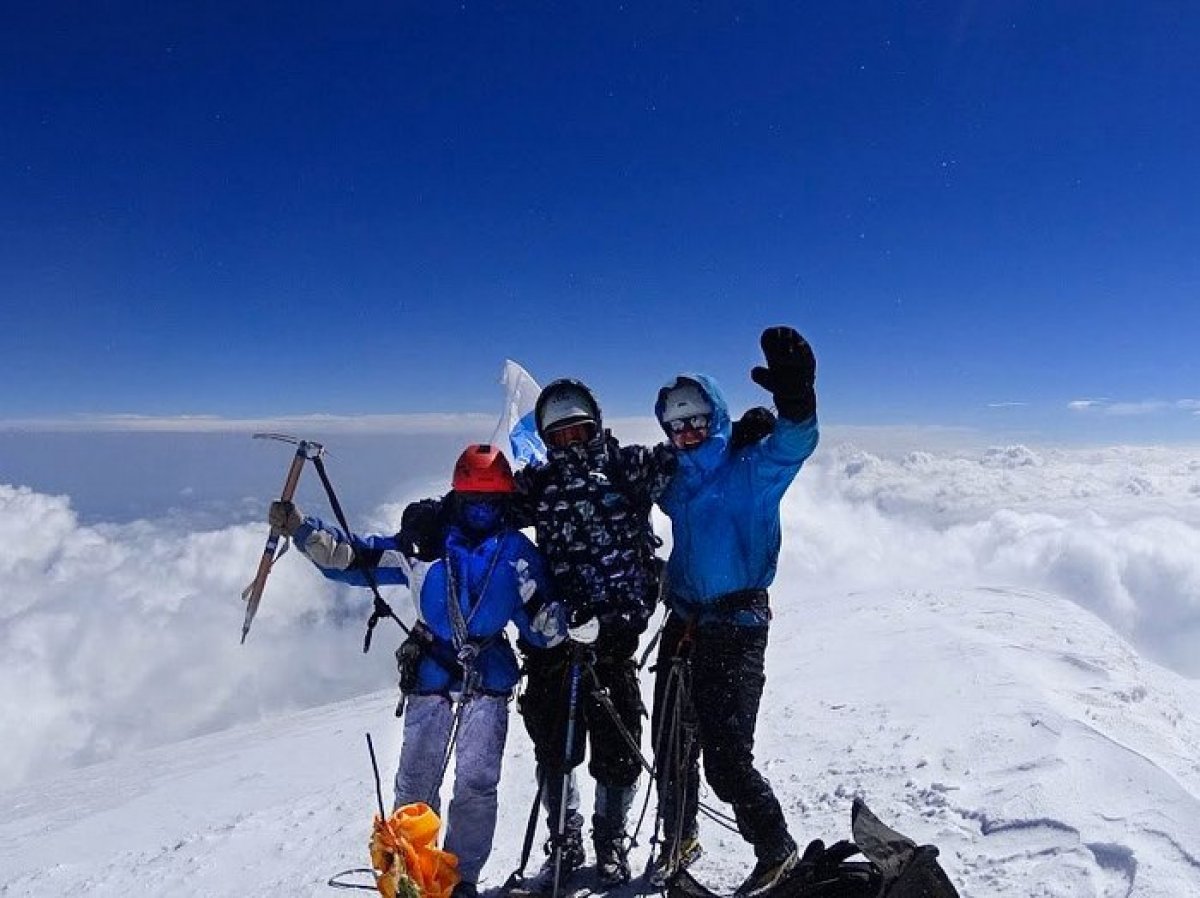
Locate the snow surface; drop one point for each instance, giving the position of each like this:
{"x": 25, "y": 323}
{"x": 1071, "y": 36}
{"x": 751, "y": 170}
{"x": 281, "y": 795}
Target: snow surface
{"x": 1014, "y": 730}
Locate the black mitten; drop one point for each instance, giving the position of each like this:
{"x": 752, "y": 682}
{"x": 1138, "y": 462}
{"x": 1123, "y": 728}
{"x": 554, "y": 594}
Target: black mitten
{"x": 409, "y": 655}
{"x": 756, "y": 424}
{"x": 789, "y": 374}
{"x": 422, "y": 530}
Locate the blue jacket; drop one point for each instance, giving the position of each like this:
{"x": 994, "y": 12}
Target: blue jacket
{"x": 724, "y": 508}
{"x": 495, "y": 581}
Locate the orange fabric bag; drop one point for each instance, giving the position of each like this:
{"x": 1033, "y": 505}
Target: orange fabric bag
{"x": 407, "y": 861}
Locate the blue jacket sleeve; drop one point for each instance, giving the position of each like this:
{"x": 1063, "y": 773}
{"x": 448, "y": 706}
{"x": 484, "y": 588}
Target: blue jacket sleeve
{"x": 343, "y": 558}
{"x": 776, "y": 460}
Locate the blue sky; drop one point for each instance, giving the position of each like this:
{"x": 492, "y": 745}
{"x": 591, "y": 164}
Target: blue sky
{"x": 269, "y": 208}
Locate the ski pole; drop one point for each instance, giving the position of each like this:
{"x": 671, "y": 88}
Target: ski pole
{"x": 518, "y": 876}
{"x": 375, "y": 771}
{"x": 572, "y": 701}
{"x": 252, "y": 594}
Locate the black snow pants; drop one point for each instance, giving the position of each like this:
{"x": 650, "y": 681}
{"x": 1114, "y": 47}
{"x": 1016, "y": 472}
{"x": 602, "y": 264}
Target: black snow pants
{"x": 711, "y": 711}
{"x": 543, "y": 707}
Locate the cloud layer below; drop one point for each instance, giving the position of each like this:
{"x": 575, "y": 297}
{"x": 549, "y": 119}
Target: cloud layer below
{"x": 115, "y": 636}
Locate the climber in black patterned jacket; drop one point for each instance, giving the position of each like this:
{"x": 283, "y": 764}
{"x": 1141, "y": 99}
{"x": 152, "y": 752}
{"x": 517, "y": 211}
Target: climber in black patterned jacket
{"x": 590, "y": 503}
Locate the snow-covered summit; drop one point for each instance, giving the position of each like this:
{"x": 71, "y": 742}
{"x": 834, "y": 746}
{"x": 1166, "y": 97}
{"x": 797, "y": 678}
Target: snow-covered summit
{"x": 1014, "y": 730}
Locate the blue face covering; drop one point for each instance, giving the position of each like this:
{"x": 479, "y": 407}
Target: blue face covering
{"x": 481, "y": 514}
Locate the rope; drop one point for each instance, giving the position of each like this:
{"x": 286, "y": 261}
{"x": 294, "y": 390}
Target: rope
{"x": 451, "y": 742}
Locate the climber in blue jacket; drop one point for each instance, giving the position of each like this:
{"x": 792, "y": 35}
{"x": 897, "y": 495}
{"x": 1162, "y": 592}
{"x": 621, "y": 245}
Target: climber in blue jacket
{"x": 723, "y": 503}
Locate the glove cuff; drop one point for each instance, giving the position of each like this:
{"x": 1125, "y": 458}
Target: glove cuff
{"x": 799, "y": 407}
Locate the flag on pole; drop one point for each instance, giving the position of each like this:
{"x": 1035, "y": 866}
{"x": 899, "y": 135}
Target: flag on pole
{"x": 516, "y": 419}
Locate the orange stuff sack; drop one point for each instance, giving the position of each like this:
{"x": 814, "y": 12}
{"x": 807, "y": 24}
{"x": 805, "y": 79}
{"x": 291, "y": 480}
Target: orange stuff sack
{"x": 407, "y": 861}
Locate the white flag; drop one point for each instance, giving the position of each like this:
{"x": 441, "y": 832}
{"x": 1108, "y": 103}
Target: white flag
{"x": 516, "y": 420}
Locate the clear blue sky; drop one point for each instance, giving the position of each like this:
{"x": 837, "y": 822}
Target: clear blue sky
{"x": 259, "y": 208}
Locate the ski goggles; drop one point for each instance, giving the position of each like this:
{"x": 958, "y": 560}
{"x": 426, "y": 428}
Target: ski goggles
{"x": 694, "y": 422}
{"x": 690, "y": 432}
{"x": 568, "y": 434}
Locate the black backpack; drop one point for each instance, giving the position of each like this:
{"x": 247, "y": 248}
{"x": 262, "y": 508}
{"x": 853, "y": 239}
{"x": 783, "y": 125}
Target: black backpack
{"x": 894, "y": 867}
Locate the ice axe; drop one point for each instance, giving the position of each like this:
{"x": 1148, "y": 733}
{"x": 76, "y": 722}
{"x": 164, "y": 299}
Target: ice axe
{"x": 305, "y": 450}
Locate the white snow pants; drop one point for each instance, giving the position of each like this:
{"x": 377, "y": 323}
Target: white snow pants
{"x": 478, "y": 754}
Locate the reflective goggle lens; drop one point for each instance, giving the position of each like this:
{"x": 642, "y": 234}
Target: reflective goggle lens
{"x": 695, "y": 422}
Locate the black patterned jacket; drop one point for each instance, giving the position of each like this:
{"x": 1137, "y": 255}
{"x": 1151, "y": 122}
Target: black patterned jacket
{"x": 590, "y": 507}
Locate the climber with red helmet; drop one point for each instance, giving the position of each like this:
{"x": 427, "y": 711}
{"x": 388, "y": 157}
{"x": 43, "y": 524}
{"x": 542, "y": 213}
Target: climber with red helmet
{"x": 458, "y": 663}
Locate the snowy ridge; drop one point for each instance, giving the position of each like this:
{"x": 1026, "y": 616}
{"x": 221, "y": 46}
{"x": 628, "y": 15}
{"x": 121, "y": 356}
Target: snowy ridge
{"x": 1014, "y": 730}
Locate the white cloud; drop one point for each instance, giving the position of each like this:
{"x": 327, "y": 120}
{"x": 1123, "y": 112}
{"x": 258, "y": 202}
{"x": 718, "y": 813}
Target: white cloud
{"x": 355, "y": 424}
{"x": 1141, "y": 407}
{"x": 1115, "y": 530}
{"x": 115, "y": 636}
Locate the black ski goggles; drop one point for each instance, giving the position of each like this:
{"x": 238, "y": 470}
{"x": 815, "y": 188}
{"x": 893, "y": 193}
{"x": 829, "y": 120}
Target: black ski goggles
{"x": 568, "y": 434}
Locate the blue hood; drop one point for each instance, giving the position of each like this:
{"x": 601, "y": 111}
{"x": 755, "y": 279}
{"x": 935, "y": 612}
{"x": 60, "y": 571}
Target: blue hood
{"x": 724, "y": 509}
{"x": 709, "y": 453}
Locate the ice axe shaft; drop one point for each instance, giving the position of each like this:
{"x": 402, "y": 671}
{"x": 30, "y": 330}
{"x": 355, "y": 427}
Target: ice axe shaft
{"x": 305, "y": 449}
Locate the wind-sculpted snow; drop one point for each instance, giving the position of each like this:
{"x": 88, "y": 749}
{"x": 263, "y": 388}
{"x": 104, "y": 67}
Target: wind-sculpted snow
{"x": 1012, "y": 729}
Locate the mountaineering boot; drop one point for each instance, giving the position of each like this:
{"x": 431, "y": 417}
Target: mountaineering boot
{"x": 608, "y": 833}
{"x": 571, "y": 848}
{"x": 612, "y": 861}
{"x": 770, "y": 870}
{"x": 668, "y": 862}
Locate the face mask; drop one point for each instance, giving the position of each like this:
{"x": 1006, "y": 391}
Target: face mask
{"x": 481, "y": 515}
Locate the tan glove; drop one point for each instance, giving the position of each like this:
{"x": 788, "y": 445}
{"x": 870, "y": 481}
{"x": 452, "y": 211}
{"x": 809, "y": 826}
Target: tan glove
{"x": 285, "y": 517}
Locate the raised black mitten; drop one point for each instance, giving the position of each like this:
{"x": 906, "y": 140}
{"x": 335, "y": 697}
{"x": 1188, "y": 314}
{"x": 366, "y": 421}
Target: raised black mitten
{"x": 789, "y": 374}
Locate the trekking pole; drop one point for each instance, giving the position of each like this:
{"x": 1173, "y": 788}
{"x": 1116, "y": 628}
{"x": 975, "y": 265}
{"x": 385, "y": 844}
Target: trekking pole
{"x": 252, "y": 594}
{"x": 572, "y": 711}
{"x": 518, "y": 875}
{"x": 375, "y": 770}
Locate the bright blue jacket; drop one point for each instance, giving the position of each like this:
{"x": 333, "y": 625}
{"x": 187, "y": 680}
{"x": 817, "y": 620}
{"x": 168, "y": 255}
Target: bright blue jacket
{"x": 724, "y": 508}
{"x": 498, "y": 580}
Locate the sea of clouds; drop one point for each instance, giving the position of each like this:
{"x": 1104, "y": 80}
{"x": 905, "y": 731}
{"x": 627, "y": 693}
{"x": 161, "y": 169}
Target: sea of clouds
{"x": 120, "y": 618}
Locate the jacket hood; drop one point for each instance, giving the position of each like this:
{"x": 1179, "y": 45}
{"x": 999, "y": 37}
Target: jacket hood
{"x": 721, "y": 428}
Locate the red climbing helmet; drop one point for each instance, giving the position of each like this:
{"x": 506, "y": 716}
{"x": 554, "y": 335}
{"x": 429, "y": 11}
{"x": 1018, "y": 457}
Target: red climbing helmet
{"x": 482, "y": 468}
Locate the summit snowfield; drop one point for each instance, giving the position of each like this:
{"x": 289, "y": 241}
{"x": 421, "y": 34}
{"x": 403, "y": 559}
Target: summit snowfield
{"x": 1014, "y": 730}
{"x": 995, "y": 646}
